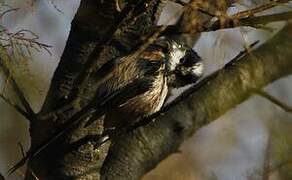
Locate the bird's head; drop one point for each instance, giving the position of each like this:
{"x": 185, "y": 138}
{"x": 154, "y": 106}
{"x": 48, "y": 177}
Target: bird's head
{"x": 184, "y": 66}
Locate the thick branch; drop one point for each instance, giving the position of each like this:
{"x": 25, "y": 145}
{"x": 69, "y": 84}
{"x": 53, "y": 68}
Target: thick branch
{"x": 90, "y": 27}
{"x": 136, "y": 153}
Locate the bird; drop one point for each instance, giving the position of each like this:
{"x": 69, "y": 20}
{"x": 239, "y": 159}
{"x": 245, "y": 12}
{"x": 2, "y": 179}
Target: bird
{"x": 149, "y": 77}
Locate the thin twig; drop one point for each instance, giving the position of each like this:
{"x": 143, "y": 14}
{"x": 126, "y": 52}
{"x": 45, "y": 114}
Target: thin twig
{"x": 248, "y": 17}
{"x": 274, "y": 100}
{"x": 266, "y": 19}
{"x": 34, "y": 175}
{"x": 8, "y": 11}
{"x": 16, "y": 107}
{"x": 243, "y": 18}
{"x": 251, "y": 21}
{"x": 21, "y": 149}
{"x": 23, "y": 155}
{"x": 17, "y": 90}
{"x": 56, "y": 7}
{"x": 22, "y": 37}
{"x": 258, "y": 9}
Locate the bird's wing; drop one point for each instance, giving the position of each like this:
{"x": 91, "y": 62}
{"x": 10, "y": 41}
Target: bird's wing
{"x": 120, "y": 96}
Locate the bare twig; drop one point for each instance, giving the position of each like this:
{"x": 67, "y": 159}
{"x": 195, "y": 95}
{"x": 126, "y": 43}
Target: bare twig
{"x": 243, "y": 18}
{"x": 16, "y": 107}
{"x": 21, "y": 149}
{"x": 8, "y": 11}
{"x": 258, "y": 9}
{"x": 23, "y": 155}
{"x": 34, "y": 175}
{"x": 24, "y": 38}
{"x": 248, "y": 18}
{"x": 266, "y": 19}
{"x": 274, "y": 100}
{"x": 12, "y": 41}
{"x": 56, "y": 7}
{"x": 17, "y": 90}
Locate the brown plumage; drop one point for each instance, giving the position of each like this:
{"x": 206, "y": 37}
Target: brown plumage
{"x": 151, "y": 66}
{"x": 163, "y": 65}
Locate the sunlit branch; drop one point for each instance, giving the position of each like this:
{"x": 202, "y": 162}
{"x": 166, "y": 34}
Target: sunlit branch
{"x": 259, "y": 9}
{"x": 243, "y": 18}
{"x": 249, "y": 21}
{"x": 252, "y": 21}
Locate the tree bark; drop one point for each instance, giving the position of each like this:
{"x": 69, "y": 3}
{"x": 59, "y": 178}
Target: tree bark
{"x": 71, "y": 156}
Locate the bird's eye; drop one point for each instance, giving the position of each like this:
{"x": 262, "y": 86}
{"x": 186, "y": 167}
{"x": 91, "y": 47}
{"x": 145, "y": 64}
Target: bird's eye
{"x": 182, "y": 60}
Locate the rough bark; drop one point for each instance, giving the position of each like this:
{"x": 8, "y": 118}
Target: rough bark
{"x": 86, "y": 35}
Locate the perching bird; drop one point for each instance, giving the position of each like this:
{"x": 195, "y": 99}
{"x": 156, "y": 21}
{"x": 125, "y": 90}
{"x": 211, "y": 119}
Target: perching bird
{"x": 149, "y": 77}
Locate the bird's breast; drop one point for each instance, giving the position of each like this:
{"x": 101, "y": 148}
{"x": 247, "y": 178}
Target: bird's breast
{"x": 148, "y": 102}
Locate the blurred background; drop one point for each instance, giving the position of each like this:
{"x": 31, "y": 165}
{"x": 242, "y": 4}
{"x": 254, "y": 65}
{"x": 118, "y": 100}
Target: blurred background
{"x": 240, "y": 145}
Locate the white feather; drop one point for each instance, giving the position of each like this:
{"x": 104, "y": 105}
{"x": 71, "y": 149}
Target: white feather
{"x": 175, "y": 55}
{"x": 198, "y": 69}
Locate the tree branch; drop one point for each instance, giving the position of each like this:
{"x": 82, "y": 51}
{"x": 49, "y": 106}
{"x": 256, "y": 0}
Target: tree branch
{"x": 138, "y": 152}
{"x": 18, "y": 91}
{"x": 90, "y": 27}
{"x": 274, "y": 100}
{"x": 16, "y": 107}
{"x": 244, "y": 18}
